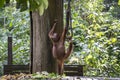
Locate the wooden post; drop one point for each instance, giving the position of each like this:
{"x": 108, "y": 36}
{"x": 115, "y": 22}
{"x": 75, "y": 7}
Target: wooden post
{"x": 31, "y": 42}
{"x": 9, "y": 50}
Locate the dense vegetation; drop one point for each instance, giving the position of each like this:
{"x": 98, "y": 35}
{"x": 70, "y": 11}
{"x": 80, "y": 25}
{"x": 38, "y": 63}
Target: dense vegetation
{"x": 16, "y": 24}
{"x": 96, "y": 26}
{"x": 32, "y": 5}
{"x": 97, "y": 36}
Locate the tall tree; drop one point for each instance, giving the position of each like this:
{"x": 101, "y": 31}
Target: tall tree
{"x": 42, "y": 56}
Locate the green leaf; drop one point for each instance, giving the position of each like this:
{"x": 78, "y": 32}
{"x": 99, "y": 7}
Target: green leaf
{"x": 39, "y": 2}
{"x": 2, "y": 3}
{"x": 119, "y": 2}
{"x": 89, "y": 56}
{"x": 41, "y": 9}
{"x": 10, "y": 25}
{"x": 45, "y": 3}
{"x": 113, "y": 40}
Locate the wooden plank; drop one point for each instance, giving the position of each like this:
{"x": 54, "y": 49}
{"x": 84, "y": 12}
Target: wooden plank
{"x": 9, "y": 50}
{"x": 69, "y": 68}
{"x": 17, "y": 67}
{"x": 13, "y": 69}
{"x": 73, "y": 73}
{"x": 73, "y": 70}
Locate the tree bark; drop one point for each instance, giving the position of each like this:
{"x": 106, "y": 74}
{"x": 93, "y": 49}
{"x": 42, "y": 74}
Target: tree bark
{"x": 42, "y": 54}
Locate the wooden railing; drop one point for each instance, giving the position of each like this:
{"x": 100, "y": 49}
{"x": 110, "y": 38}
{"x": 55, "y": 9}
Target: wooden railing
{"x": 10, "y": 68}
{"x": 73, "y": 70}
{"x": 69, "y": 70}
{"x": 14, "y": 69}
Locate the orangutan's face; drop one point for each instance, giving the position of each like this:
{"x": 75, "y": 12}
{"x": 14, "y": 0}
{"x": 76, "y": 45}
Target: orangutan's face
{"x": 56, "y": 37}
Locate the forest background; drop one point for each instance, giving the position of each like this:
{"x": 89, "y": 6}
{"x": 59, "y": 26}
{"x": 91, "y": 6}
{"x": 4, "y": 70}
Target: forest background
{"x": 96, "y": 27}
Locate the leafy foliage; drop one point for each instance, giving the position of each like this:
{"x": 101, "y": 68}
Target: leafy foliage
{"x": 32, "y": 5}
{"x": 118, "y": 2}
{"x": 36, "y": 76}
{"x": 16, "y": 24}
{"x": 96, "y": 37}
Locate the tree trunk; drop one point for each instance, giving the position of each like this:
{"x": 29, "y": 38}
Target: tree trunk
{"x": 42, "y": 55}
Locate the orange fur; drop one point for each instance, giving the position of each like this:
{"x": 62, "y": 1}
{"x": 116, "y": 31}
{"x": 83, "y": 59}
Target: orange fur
{"x": 58, "y": 49}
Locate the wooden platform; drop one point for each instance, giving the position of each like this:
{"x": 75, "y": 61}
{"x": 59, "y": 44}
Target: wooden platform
{"x": 13, "y": 69}
{"x": 73, "y": 70}
{"x": 69, "y": 70}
